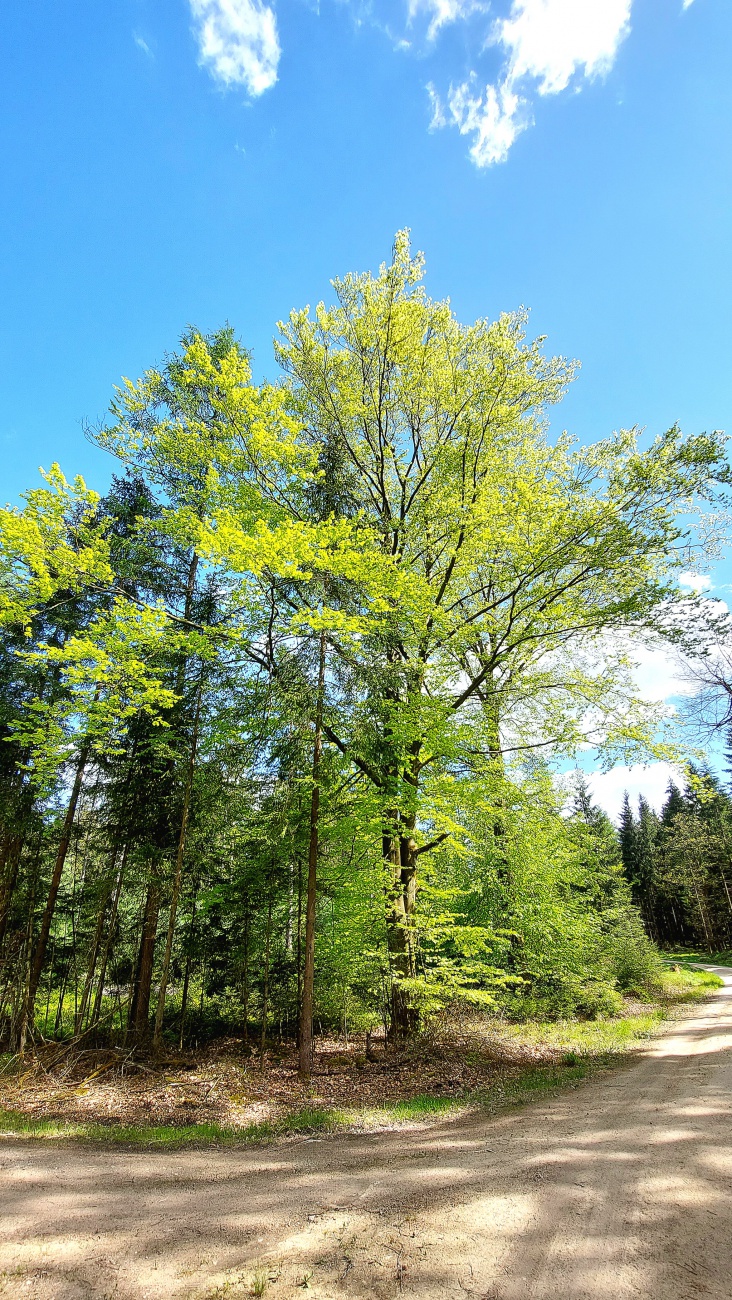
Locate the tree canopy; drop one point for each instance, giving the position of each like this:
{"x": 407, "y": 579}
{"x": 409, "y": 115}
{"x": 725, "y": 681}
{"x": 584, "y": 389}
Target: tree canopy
{"x": 286, "y": 700}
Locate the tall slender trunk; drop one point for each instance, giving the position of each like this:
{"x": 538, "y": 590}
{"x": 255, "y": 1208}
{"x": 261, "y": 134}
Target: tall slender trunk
{"x": 61, "y": 997}
{"x": 265, "y": 990}
{"x": 298, "y": 943}
{"x": 245, "y": 972}
{"x": 39, "y": 953}
{"x": 96, "y": 1012}
{"x": 288, "y": 917}
{"x": 95, "y": 949}
{"x": 308, "y": 975}
{"x": 180, "y": 853}
{"x": 11, "y": 865}
{"x": 139, "y": 1021}
{"x": 187, "y": 975}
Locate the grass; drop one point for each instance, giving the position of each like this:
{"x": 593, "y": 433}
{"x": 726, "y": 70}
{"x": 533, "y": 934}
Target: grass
{"x": 721, "y": 958}
{"x": 583, "y": 1048}
{"x": 308, "y": 1120}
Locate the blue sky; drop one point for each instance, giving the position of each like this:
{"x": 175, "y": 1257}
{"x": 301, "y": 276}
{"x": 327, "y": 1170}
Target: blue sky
{"x": 167, "y": 162}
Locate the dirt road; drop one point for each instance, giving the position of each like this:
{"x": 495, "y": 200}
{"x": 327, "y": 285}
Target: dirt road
{"x": 618, "y": 1189}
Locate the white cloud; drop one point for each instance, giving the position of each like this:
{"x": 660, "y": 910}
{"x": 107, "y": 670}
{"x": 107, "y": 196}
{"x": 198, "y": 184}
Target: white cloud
{"x": 546, "y": 43}
{"x": 238, "y": 42}
{"x": 659, "y": 674}
{"x": 494, "y": 117}
{"x": 696, "y": 582}
{"x": 443, "y": 12}
{"x": 550, "y": 40}
{"x": 608, "y": 788}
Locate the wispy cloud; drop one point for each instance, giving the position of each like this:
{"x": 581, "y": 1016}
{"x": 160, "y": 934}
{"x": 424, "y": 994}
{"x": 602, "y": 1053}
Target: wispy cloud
{"x": 238, "y": 42}
{"x": 441, "y": 13}
{"x": 546, "y": 45}
{"x": 142, "y": 44}
{"x": 494, "y": 117}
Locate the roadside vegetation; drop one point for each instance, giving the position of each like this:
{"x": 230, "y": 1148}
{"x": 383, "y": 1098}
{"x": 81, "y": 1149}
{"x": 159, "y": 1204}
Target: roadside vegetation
{"x": 487, "y": 1064}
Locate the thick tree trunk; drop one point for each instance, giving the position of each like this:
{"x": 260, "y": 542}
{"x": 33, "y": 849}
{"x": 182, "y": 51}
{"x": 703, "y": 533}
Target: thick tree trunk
{"x": 39, "y": 953}
{"x": 400, "y": 854}
{"x": 139, "y": 1021}
{"x": 308, "y": 975}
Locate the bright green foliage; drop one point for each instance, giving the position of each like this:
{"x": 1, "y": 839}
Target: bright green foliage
{"x": 478, "y": 584}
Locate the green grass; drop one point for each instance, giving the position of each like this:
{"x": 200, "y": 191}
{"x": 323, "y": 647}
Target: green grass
{"x": 589, "y": 1037}
{"x": 721, "y": 958}
{"x": 585, "y": 1047}
{"x": 172, "y": 1135}
{"x": 420, "y": 1107}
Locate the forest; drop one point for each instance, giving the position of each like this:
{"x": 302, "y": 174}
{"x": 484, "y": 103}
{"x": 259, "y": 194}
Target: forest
{"x": 291, "y": 713}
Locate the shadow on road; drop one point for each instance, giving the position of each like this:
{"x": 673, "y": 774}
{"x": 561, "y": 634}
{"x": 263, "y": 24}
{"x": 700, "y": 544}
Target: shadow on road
{"x": 620, "y": 1188}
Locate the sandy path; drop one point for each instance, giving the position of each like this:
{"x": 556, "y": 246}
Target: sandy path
{"x": 618, "y": 1189}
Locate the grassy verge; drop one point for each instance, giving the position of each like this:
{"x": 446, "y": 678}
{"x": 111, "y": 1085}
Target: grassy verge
{"x": 169, "y": 1135}
{"x": 682, "y": 955}
{"x": 579, "y": 1048}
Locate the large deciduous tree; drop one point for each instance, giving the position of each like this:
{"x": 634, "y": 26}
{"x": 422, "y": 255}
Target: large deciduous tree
{"x": 508, "y": 559}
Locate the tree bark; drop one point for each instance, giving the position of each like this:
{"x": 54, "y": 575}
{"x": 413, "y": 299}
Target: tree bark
{"x": 400, "y": 854}
{"x": 265, "y": 990}
{"x": 10, "y": 876}
{"x": 139, "y": 1021}
{"x": 39, "y": 953}
{"x": 245, "y": 973}
{"x": 110, "y": 938}
{"x": 180, "y": 854}
{"x": 189, "y": 963}
{"x": 308, "y": 977}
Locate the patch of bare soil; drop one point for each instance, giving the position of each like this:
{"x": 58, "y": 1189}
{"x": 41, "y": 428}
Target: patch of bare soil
{"x": 618, "y": 1190}
{"x": 230, "y": 1085}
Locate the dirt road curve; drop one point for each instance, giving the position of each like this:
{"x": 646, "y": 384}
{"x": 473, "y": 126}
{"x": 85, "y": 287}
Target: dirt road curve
{"x": 618, "y": 1189}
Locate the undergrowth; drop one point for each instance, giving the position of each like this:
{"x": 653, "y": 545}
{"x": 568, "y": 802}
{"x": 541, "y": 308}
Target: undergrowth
{"x": 585, "y": 1046}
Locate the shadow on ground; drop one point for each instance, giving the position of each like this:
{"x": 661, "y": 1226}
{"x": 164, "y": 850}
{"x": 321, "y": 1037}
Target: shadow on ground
{"x": 619, "y": 1188}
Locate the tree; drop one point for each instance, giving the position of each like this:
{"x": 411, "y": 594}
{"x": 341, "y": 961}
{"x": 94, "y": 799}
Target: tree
{"x": 504, "y": 560}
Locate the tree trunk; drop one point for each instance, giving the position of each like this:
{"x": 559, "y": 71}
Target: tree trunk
{"x": 94, "y": 953}
{"x": 10, "y": 876}
{"x": 96, "y": 1012}
{"x": 308, "y": 976}
{"x": 39, "y": 954}
{"x": 245, "y": 973}
{"x": 180, "y": 853}
{"x": 400, "y": 854}
{"x": 265, "y": 990}
{"x": 298, "y": 943}
{"x": 189, "y": 962}
{"x": 139, "y": 1022}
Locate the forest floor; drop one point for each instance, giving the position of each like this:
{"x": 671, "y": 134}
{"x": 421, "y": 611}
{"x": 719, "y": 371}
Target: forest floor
{"x": 615, "y": 1189}
{"x": 230, "y": 1092}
